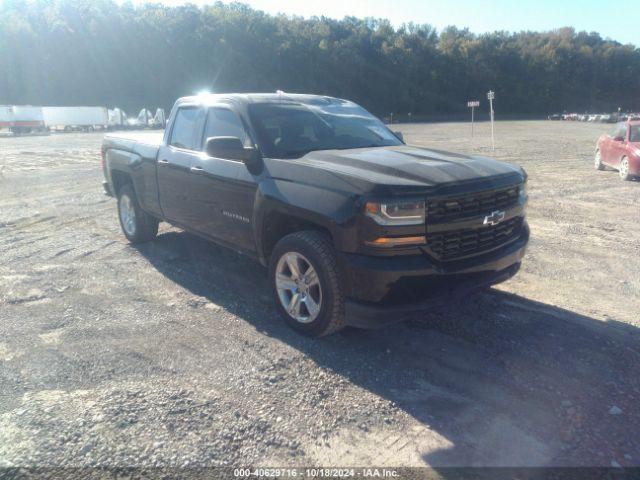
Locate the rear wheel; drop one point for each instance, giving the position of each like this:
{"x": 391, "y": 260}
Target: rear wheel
{"x": 597, "y": 160}
{"x": 623, "y": 169}
{"x": 306, "y": 285}
{"x": 137, "y": 225}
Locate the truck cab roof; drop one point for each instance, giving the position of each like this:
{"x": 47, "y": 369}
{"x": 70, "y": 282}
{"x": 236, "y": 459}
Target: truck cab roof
{"x": 249, "y": 98}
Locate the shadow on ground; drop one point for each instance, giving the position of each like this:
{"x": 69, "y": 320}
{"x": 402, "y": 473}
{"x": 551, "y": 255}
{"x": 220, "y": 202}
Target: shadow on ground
{"x": 506, "y": 380}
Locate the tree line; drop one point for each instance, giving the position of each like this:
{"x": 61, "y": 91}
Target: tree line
{"x": 96, "y": 52}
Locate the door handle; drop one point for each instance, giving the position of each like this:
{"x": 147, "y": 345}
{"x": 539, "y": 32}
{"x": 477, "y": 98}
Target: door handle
{"x": 197, "y": 169}
{"x": 163, "y": 161}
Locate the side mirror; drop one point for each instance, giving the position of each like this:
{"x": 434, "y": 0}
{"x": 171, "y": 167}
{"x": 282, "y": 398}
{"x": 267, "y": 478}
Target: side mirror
{"x": 231, "y": 148}
{"x": 399, "y": 135}
{"x": 618, "y": 139}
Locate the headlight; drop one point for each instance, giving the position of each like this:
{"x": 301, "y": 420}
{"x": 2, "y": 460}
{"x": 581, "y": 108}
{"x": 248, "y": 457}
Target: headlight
{"x": 397, "y": 212}
{"x": 523, "y": 192}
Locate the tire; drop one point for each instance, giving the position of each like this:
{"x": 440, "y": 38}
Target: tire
{"x": 308, "y": 249}
{"x": 623, "y": 169}
{"x": 136, "y": 225}
{"x": 597, "y": 160}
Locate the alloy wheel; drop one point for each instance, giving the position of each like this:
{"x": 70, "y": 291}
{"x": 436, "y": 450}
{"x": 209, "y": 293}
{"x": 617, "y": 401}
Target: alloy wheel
{"x": 624, "y": 168}
{"x": 127, "y": 215}
{"x": 298, "y": 286}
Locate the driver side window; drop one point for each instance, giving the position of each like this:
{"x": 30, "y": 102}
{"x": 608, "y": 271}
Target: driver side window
{"x": 222, "y": 122}
{"x": 620, "y": 131}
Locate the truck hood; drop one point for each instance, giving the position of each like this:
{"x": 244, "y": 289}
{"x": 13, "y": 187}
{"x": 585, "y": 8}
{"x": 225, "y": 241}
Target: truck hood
{"x": 401, "y": 166}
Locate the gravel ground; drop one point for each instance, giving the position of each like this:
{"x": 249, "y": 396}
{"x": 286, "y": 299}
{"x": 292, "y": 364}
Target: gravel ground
{"x": 171, "y": 353}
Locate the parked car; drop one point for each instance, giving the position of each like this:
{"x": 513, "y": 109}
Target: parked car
{"x": 356, "y": 227}
{"x": 620, "y": 150}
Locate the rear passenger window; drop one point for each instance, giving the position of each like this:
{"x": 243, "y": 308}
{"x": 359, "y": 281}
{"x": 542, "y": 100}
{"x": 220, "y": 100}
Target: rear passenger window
{"x": 222, "y": 122}
{"x": 184, "y": 128}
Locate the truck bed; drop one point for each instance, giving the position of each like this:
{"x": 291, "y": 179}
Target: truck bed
{"x": 144, "y": 137}
{"x": 133, "y": 154}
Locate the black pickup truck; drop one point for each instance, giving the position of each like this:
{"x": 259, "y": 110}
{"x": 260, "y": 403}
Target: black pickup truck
{"x": 355, "y": 227}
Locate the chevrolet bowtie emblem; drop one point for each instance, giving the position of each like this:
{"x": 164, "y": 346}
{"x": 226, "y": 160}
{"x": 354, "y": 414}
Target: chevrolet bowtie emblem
{"x": 494, "y": 218}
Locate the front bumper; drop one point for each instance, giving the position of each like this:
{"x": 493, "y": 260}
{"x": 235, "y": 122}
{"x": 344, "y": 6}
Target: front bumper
{"x": 384, "y": 290}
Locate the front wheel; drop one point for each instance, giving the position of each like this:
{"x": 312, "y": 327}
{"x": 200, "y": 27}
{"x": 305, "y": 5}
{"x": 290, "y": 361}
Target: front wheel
{"x": 597, "y": 160}
{"x": 305, "y": 283}
{"x": 137, "y": 225}
{"x": 623, "y": 170}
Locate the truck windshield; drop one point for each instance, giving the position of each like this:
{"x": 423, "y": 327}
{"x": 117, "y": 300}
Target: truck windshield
{"x": 291, "y": 130}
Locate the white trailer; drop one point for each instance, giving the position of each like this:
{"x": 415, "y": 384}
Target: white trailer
{"x": 75, "y": 118}
{"x": 21, "y": 119}
{"x": 6, "y": 116}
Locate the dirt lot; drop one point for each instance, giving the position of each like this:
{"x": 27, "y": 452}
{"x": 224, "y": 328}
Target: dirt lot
{"x": 171, "y": 353}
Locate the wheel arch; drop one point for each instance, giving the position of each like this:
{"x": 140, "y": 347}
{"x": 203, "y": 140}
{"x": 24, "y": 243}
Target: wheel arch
{"x": 283, "y": 207}
{"x": 123, "y": 167}
{"x": 277, "y": 224}
{"x": 119, "y": 178}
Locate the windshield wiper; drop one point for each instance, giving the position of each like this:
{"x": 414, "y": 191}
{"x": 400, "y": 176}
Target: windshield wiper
{"x": 298, "y": 153}
{"x": 373, "y": 145}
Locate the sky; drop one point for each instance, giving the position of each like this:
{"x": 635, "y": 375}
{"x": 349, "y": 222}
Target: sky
{"x": 621, "y": 23}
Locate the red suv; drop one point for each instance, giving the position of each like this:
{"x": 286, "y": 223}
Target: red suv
{"x": 620, "y": 150}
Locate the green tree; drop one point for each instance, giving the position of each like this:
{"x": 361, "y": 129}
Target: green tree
{"x": 96, "y": 52}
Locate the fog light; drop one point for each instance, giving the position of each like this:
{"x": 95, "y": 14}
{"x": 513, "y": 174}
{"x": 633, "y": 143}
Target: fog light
{"x": 389, "y": 242}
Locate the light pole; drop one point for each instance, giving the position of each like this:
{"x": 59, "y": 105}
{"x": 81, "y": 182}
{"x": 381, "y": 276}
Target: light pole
{"x": 490, "y": 96}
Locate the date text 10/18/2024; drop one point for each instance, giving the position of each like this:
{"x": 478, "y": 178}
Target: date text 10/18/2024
{"x": 315, "y": 472}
